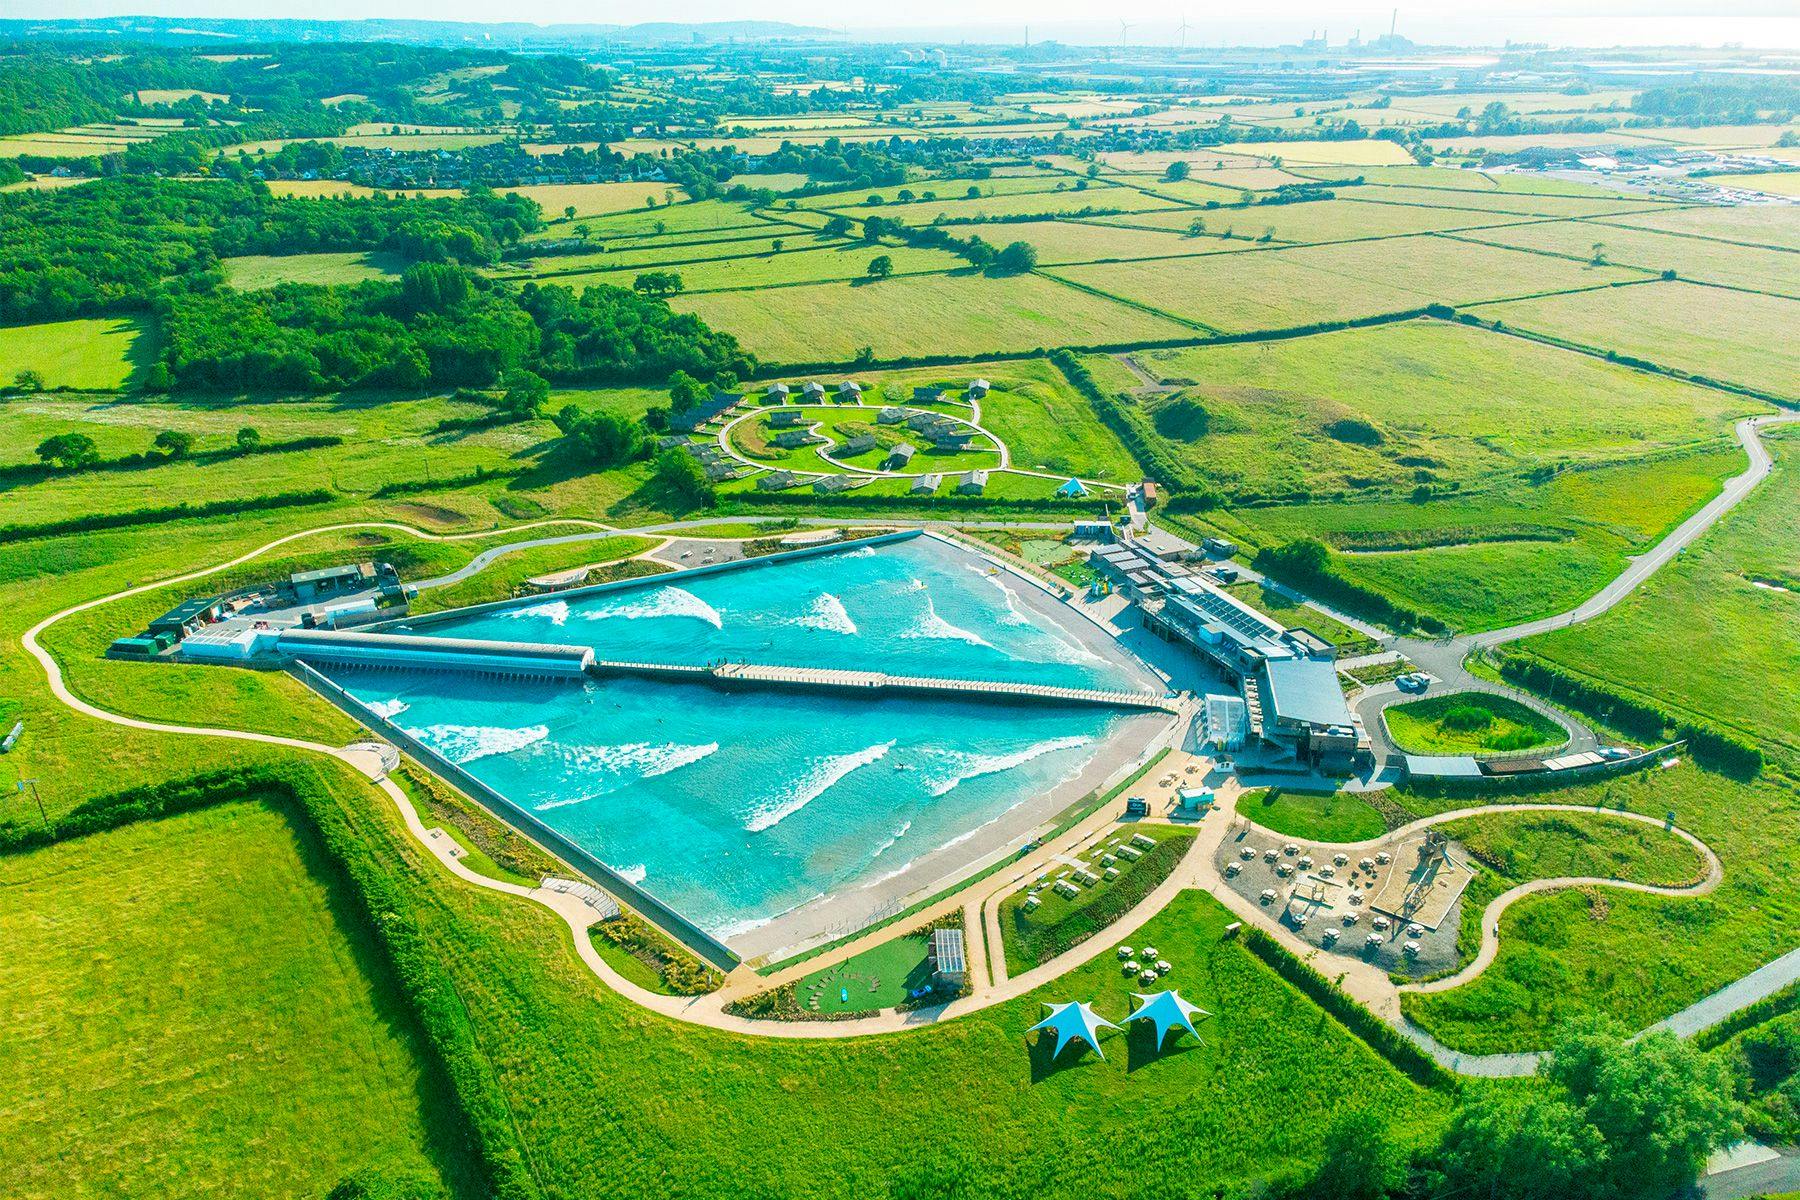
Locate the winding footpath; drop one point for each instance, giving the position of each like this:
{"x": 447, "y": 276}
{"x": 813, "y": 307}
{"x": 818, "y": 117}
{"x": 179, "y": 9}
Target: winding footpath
{"x": 979, "y": 903}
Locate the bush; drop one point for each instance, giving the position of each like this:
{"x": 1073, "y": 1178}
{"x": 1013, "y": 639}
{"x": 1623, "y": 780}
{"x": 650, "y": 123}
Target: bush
{"x": 1467, "y": 718}
{"x": 680, "y": 972}
{"x": 156, "y": 516}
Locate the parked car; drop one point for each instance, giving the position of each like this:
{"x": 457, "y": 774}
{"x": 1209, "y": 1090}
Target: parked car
{"x": 1414, "y": 682}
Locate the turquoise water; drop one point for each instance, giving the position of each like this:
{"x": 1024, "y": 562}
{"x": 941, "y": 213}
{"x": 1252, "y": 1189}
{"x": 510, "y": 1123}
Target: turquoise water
{"x": 918, "y": 607}
{"x": 735, "y": 807}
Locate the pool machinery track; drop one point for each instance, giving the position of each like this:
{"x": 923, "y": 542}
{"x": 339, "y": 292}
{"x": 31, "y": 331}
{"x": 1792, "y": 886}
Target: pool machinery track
{"x": 1364, "y": 982}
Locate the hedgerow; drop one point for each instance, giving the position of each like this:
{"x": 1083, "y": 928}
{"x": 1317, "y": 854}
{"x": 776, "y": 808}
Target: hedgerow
{"x": 156, "y": 516}
{"x": 1384, "y": 1039}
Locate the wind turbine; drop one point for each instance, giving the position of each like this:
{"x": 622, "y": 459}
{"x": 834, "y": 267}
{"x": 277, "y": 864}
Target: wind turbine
{"x": 1182, "y": 30}
{"x": 1124, "y": 28}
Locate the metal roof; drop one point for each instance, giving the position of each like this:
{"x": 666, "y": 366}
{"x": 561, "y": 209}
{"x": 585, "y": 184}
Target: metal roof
{"x": 1426, "y": 766}
{"x": 1306, "y": 690}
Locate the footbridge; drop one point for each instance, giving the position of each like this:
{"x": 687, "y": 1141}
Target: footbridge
{"x": 734, "y": 674}
{"x": 548, "y": 661}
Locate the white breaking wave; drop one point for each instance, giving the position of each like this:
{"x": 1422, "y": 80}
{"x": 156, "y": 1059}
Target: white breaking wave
{"x": 1013, "y": 614}
{"x": 555, "y": 611}
{"x": 387, "y": 710}
{"x": 828, "y": 613}
{"x": 895, "y": 837}
{"x": 974, "y": 766}
{"x": 628, "y": 764}
{"x": 933, "y": 626}
{"x": 463, "y": 744}
{"x": 632, "y": 874}
{"x": 665, "y": 601}
{"x": 861, "y": 552}
{"x": 824, "y": 775}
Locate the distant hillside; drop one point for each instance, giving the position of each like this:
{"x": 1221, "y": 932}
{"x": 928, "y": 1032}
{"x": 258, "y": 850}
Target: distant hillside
{"x": 200, "y": 30}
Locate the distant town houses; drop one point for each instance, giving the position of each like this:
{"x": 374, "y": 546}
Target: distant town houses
{"x": 500, "y": 164}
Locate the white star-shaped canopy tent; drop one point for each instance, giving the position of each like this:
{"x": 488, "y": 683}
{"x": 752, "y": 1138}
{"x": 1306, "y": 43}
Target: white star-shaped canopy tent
{"x": 1166, "y": 1010}
{"x": 1071, "y": 1022}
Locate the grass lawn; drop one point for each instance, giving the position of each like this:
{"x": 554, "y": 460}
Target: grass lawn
{"x": 190, "y": 1009}
{"x": 98, "y": 354}
{"x": 1744, "y": 339}
{"x": 1315, "y": 816}
{"x": 1048, "y": 426}
{"x": 1468, "y": 568}
{"x": 1723, "y": 594}
{"x": 611, "y": 558}
{"x": 255, "y": 271}
{"x": 948, "y": 314}
{"x": 1059, "y": 923}
{"x": 1634, "y": 957}
{"x": 1470, "y": 723}
{"x": 879, "y": 977}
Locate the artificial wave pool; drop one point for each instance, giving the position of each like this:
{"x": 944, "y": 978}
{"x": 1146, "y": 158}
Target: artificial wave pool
{"x": 765, "y": 817}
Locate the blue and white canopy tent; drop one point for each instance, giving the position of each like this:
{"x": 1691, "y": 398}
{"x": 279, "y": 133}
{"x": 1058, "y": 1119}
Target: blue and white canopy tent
{"x": 1072, "y": 489}
{"x": 1166, "y": 1010}
{"x": 1072, "y": 1022}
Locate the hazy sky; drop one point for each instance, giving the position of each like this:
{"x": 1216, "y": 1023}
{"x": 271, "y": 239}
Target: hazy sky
{"x": 1763, "y": 23}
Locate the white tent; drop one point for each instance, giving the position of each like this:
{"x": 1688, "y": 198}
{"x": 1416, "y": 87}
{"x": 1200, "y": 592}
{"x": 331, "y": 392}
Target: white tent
{"x": 1071, "y": 1022}
{"x": 1166, "y": 1010}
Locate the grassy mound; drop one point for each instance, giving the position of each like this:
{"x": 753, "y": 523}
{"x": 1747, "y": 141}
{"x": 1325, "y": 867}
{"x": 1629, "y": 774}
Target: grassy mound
{"x": 1471, "y": 723}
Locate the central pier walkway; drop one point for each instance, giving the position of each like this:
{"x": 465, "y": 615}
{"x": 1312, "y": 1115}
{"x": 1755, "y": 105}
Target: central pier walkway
{"x": 833, "y": 679}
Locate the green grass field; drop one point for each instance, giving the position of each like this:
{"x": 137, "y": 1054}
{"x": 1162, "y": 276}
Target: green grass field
{"x": 1385, "y": 408}
{"x": 190, "y": 1008}
{"x": 263, "y": 270}
{"x": 1743, "y": 339}
{"x": 97, "y": 354}
{"x": 880, "y": 977}
{"x": 1724, "y": 594}
{"x": 1590, "y": 521}
{"x": 1470, "y": 723}
{"x": 1058, "y": 923}
{"x": 1634, "y": 957}
{"x": 950, "y": 314}
{"x": 1315, "y": 816}
{"x": 1747, "y": 267}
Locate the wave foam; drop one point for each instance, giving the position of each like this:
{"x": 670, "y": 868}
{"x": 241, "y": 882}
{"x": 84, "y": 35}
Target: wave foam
{"x": 974, "y": 766}
{"x": 665, "y": 601}
{"x": 554, "y": 611}
{"x": 933, "y": 626}
{"x": 828, "y": 613}
{"x": 824, "y": 776}
{"x": 463, "y": 744}
{"x": 627, "y": 764}
{"x": 635, "y": 873}
{"x": 387, "y": 710}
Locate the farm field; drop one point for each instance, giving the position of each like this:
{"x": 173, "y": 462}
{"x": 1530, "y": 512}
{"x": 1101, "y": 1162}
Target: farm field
{"x": 951, "y": 314}
{"x": 802, "y": 264}
{"x": 1285, "y": 288}
{"x": 208, "y": 945}
{"x": 315, "y": 188}
{"x": 1761, "y": 225}
{"x": 1742, "y": 341}
{"x": 99, "y": 353}
{"x": 593, "y": 199}
{"x": 1738, "y": 593}
{"x": 1705, "y": 261}
{"x": 1387, "y": 407}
